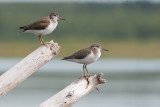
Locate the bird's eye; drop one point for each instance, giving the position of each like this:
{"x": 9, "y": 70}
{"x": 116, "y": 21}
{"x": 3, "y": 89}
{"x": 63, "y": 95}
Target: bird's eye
{"x": 97, "y": 46}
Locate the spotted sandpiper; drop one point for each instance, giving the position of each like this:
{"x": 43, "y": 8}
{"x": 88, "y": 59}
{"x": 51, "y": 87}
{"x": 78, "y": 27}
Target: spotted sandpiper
{"x": 86, "y": 56}
{"x": 43, "y": 26}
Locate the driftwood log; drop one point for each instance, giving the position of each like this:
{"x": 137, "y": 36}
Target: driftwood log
{"x": 27, "y": 66}
{"x": 73, "y": 92}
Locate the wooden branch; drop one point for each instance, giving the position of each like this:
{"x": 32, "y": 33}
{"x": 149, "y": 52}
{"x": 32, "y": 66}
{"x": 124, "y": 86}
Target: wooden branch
{"x": 73, "y": 92}
{"x": 27, "y": 66}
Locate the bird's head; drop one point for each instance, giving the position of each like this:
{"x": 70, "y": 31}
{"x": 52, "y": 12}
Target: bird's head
{"x": 97, "y": 47}
{"x": 55, "y": 16}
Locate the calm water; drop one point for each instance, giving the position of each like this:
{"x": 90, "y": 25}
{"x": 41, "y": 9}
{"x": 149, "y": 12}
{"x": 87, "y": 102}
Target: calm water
{"x": 135, "y": 84}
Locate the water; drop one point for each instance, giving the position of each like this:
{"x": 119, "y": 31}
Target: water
{"x": 105, "y": 65}
{"x": 130, "y": 87}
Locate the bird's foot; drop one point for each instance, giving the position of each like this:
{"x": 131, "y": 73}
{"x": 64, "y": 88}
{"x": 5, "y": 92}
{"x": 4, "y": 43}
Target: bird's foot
{"x": 87, "y": 83}
{"x": 45, "y": 44}
{"x": 87, "y": 78}
{"x": 48, "y": 43}
{"x": 88, "y": 75}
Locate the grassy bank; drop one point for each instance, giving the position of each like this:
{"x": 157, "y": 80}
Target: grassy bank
{"x": 128, "y": 49}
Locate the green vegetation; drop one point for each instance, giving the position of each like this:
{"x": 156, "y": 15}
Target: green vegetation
{"x": 117, "y": 49}
{"x": 128, "y": 30}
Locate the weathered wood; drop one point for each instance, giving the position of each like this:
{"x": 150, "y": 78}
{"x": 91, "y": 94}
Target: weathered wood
{"x": 73, "y": 92}
{"x": 27, "y": 66}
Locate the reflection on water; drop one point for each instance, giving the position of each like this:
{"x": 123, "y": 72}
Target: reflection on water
{"x": 122, "y": 89}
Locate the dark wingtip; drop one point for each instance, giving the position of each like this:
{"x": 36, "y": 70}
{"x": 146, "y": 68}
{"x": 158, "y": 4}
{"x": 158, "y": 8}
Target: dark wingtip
{"x": 21, "y": 27}
{"x": 65, "y": 58}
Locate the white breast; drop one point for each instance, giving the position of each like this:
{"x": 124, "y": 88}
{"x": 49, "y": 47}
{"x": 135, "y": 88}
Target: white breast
{"x": 49, "y": 29}
{"x": 88, "y": 59}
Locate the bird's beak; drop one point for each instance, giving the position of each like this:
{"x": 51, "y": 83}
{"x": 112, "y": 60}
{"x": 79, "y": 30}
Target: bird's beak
{"x": 61, "y": 18}
{"x": 104, "y": 49}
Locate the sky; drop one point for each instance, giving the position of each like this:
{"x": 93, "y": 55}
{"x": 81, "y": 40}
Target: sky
{"x": 116, "y": 1}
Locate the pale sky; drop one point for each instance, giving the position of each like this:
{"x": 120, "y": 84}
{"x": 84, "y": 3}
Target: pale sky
{"x": 154, "y": 1}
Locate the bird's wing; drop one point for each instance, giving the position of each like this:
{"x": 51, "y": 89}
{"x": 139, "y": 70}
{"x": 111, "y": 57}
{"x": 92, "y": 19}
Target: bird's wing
{"x": 37, "y": 25}
{"x": 79, "y": 55}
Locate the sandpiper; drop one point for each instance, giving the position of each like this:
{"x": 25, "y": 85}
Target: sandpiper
{"x": 86, "y": 56}
{"x": 43, "y": 26}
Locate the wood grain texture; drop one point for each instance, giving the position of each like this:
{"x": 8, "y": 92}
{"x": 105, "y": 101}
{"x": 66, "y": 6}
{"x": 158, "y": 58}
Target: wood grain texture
{"x": 74, "y": 92}
{"x": 27, "y": 66}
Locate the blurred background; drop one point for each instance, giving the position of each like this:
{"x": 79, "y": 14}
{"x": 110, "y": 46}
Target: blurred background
{"x": 129, "y": 29}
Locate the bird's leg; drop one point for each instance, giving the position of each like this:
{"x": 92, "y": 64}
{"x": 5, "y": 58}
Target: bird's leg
{"x": 88, "y": 74}
{"x": 45, "y": 43}
{"x": 41, "y": 40}
{"x": 84, "y": 71}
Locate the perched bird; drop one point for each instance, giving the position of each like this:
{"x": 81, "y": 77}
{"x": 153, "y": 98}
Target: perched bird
{"x": 43, "y": 26}
{"x": 86, "y": 56}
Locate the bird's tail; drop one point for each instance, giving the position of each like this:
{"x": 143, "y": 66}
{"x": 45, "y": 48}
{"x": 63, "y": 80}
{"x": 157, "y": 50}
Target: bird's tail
{"x": 64, "y": 58}
{"x": 23, "y": 28}
{"x": 67, "y": 58}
